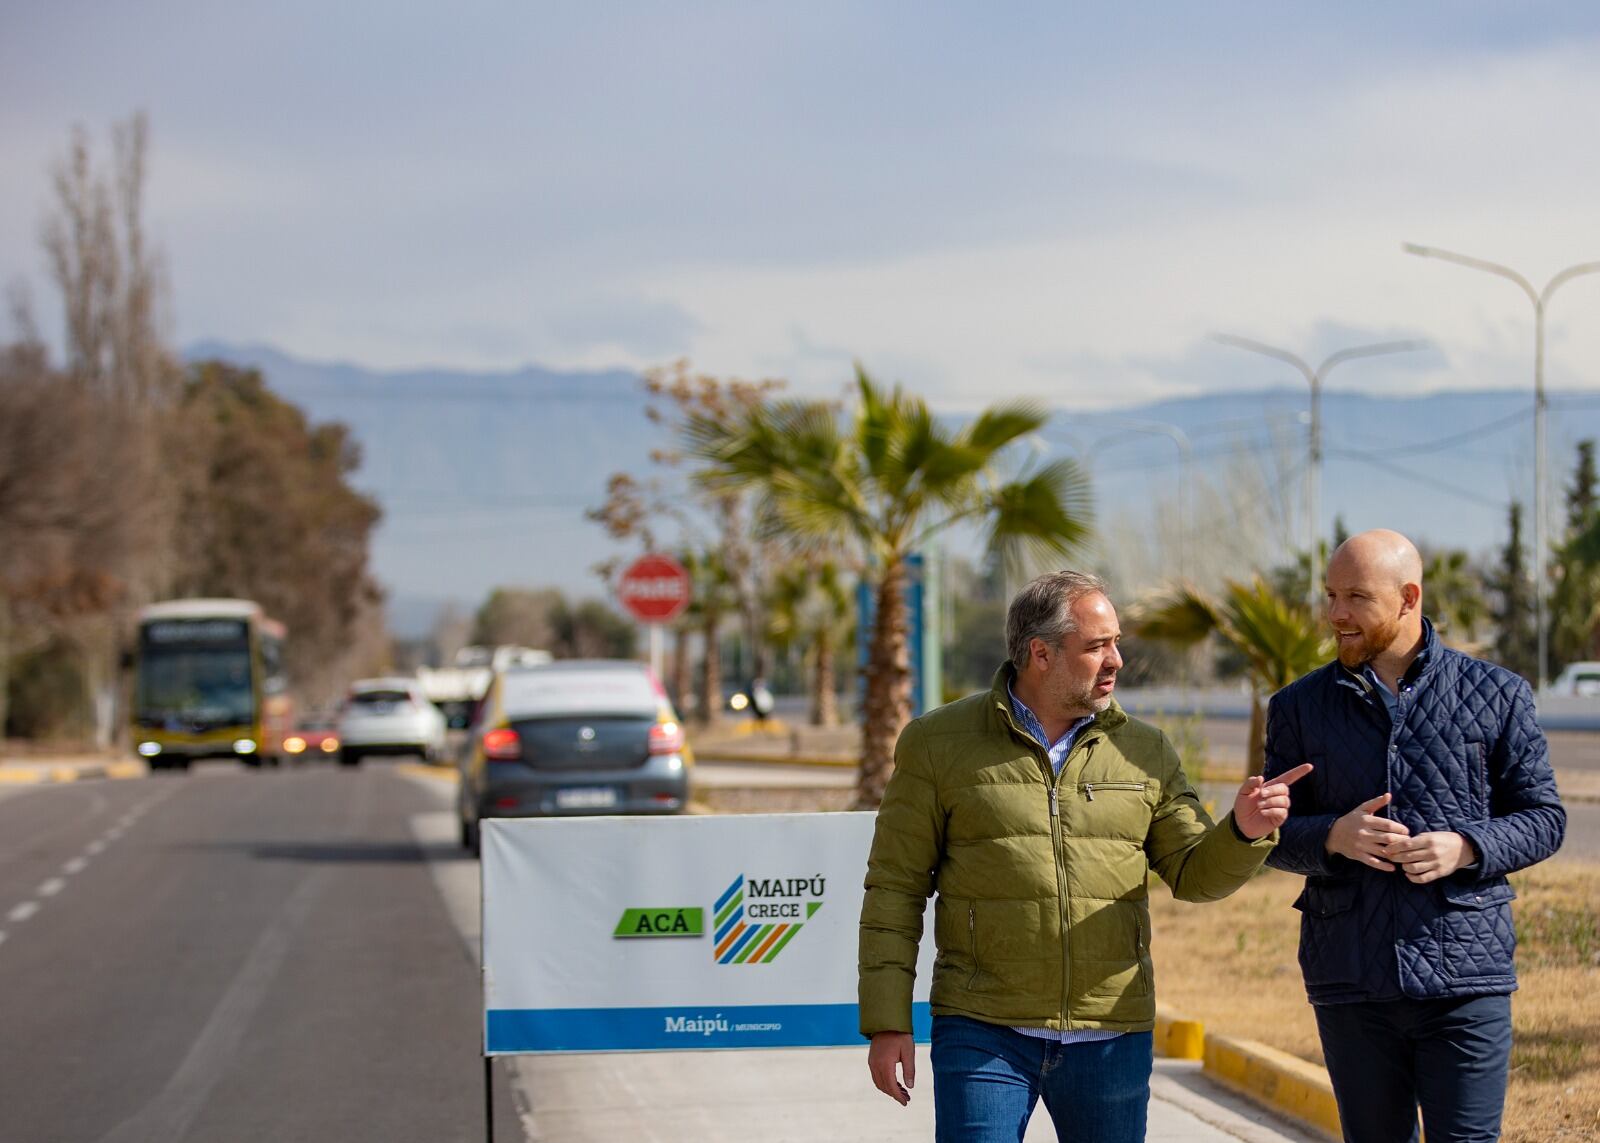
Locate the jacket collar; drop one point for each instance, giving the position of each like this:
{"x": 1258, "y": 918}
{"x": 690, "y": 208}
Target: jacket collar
{"x": 1424, "y": 664}
{"x": 1000, "y": 701}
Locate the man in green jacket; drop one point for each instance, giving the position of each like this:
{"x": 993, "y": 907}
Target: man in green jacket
{"x": 1036, "y": 810}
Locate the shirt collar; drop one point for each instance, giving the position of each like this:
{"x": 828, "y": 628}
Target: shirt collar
{"x": 1030, "y": 721}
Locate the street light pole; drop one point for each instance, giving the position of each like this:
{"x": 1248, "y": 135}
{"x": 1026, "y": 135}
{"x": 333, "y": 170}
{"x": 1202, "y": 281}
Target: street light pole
{"x": 1315, "y": 377}
{"x": 1539, "y": 298}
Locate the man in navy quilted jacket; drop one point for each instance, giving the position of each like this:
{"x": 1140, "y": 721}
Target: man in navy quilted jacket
{"x": 1431, "y": 783}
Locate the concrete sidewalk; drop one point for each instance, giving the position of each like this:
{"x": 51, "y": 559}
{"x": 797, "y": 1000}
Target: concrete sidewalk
{"x": 818, "y": 1094}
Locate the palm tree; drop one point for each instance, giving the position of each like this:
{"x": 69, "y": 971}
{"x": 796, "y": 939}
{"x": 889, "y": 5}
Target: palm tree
{"x": 712, "y": 595}
{"x": 810, "y": 607}
{"x": 882, "y": 486}
{"x": 1277, "y": 636}
{"x": 1454, "y": 597}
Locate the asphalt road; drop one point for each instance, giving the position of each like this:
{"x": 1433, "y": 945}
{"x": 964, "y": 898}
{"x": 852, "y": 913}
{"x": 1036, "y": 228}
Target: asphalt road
{"x": 292, "y": 955}
{"x": 233, "y": 955}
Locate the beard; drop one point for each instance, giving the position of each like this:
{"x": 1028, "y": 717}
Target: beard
{"x": 1372, "y": 642}
{"x": 1084, "y": 698}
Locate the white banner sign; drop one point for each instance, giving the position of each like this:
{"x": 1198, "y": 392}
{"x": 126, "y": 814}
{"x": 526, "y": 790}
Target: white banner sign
{"x": 635, "y": 934}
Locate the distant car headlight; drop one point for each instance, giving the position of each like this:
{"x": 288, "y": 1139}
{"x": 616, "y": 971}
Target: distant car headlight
{"x": 294, "y": 744}
{"x": 149, "y": 749}
{"x": 330, "y": 744}
{"x": 244, "y": 746}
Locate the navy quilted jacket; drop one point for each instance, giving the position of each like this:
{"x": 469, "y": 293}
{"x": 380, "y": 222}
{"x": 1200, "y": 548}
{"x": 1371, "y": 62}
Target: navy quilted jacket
{"x": 1464, "y": 753}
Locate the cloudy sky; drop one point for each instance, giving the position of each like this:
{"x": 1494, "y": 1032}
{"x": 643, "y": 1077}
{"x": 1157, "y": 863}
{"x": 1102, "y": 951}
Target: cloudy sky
{"x": 1059, "y": 201}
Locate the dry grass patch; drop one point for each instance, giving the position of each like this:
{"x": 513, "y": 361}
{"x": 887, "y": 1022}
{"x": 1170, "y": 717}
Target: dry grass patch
{"x": 1232, "y": 965}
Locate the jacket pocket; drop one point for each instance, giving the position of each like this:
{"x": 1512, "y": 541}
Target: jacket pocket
{"x": 1474, "y": 933}
{"x": 1478, "y": 780}
{"x": 1121, "y": 810}
{"x": 1330, "y": 932}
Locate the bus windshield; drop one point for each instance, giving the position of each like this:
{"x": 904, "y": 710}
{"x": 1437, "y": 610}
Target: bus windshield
{"x": 196, "y": 674}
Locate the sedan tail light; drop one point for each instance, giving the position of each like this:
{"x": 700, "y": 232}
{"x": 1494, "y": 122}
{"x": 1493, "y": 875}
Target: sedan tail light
{"x": 665, "y": 738}
{"x": 502, "y": 745}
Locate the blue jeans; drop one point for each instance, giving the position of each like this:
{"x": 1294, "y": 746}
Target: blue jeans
{"x": 987, "y": 1079}
{"x": 1387, "y": 1058}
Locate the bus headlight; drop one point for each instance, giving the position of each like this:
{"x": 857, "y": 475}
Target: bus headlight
{"x": 330, "y": 744}
{"x": 149, "y": 749}
{"x": 294, "y": 744}
{"x": 244, "y": 746}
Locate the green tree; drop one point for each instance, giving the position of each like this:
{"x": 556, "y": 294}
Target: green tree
{"x": 810, "y": 609}
{"x": 519, "y": 617}
{"x": 1516, "y": 643}
{"x": 881, "y": 486}
{"x": 1453, "y": 596}
{"x": 713, "y": 596}
{"x": 272, "y": 517}
{"x": 1575, "y": 568}
{"x": 975, "y": 636}
{"x": 591, "y": 630}
{"x": 1275, "y": 634}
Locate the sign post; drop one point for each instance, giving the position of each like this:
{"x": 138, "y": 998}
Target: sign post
{"x": 655, "y": 590}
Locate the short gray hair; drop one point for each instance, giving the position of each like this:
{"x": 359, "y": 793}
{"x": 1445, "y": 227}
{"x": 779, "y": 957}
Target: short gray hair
{"x": 1043, "y": 610}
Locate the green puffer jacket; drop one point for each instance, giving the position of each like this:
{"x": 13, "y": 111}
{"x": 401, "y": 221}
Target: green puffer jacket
{"x": 1043, "y": 917}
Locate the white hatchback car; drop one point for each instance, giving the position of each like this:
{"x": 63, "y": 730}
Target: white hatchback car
{"x": 389, "y": 716}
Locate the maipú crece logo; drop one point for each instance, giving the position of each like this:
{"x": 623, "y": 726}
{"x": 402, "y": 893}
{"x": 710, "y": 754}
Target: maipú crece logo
{"x": 754, "y": 919}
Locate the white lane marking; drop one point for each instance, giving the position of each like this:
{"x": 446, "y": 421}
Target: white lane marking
{"x": 55, "y": 885}
{"x": 213, "y": 1054}
{"x": 23, "y": 911}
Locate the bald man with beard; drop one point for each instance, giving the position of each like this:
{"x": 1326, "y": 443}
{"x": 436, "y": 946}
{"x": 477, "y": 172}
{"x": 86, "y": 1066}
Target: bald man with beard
{"x": 1430, "y": 784}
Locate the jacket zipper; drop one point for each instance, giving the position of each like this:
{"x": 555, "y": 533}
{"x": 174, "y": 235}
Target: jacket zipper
{"x": 1089, "y": 788}
{"x": 972, "y": 935}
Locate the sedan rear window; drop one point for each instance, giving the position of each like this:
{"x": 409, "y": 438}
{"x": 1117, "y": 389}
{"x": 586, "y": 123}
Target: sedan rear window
{"x": 545, "y": 693}
{"x": 374, "y": 698}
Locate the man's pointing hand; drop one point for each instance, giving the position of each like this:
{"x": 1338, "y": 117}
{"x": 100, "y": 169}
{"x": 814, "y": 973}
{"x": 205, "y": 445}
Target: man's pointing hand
{"x": 1261, "y": 806}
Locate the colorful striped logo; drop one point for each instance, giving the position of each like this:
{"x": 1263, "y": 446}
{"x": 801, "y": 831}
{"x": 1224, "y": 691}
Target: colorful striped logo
{"x": 744, "y": 935}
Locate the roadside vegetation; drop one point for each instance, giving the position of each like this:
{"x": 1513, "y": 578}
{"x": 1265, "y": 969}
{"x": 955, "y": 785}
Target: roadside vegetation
{"x": 1232, "y": 965}
{"x": 127, "y": 476}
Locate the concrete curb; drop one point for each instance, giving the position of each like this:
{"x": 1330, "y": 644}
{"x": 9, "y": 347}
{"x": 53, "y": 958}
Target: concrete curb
{"x": 1283, "y": 1083}
{"x": 54, "y": 773}
{"x": 733, "y": 754}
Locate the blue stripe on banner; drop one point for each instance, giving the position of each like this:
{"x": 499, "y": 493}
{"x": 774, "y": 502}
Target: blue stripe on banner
{"x": 727, "y": 926}
{"x": 516, "y": 1030}
{"x": 732, "y": 889}
{"x": 743, "y": 940}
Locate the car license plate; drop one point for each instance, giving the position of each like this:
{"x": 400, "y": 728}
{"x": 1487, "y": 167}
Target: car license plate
{"x": 586, "y": 798}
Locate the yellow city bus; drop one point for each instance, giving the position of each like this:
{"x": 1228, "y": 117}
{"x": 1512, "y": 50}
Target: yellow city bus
{"x": 209, "y": 683}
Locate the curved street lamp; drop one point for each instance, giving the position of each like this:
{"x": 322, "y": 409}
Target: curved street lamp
{"x": 1316, "y": 377}
{"x": 1539, "y": 298}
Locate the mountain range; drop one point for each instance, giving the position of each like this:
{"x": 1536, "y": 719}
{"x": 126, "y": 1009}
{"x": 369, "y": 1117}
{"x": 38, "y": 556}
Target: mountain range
{"x": 484, "y": 477}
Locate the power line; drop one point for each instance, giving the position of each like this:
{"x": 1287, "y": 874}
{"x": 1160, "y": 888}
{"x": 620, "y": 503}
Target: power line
{"x": 1420, "y": 478}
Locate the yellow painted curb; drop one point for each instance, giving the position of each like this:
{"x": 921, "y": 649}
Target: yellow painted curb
{"x": 1178, "y": 1038}
{"x": 1277, "y": 1079}
{"x": 127, "y": 770}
